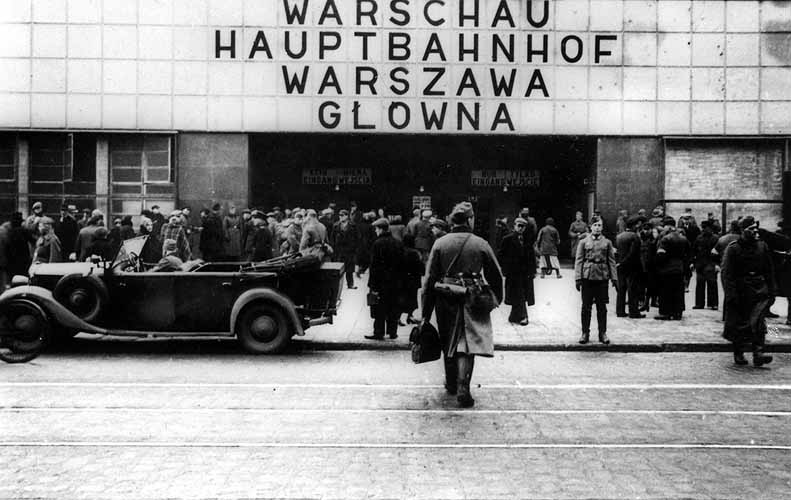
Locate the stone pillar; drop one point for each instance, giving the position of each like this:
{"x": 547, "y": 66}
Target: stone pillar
{"x": 213, "y": 168}
{"x": 103, "y": 175}
{"x": 630, "y": 175}
{"x": 23, "y": 175}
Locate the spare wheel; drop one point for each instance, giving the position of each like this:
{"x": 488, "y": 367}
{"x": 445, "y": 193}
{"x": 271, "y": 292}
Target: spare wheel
{"x": 84, "y": 296}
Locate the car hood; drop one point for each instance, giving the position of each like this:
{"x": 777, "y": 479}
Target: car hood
{"x": 63, "y": 268}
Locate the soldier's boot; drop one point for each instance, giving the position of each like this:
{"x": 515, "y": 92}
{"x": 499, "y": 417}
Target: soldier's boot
{"x": 603, "y": 338}
{"x": 585, "y": 337}
{"x": 738, "y": 358}
{"x": 759, "y": 358}
{"x": 463, "y": 382}
{"x": 451, "y": 375}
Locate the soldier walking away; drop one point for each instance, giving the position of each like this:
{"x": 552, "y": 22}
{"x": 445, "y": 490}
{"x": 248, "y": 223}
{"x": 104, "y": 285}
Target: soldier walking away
{"x": 672, "y": 261}
{"x": 707, "y": 267}
{"x": 465, "y": 332}
{"x": 387, "y": 259}
{"x": 594, "y": 266}
{"x": 518, "y": 262}
{"x": 629, "y": 266}
{"x": 578, "y": 230}
{"x": 345, "y": 241}
{"x": 748, "y": 281}
{"x": 547, "y": 242}
{"x": 421, "y": 230}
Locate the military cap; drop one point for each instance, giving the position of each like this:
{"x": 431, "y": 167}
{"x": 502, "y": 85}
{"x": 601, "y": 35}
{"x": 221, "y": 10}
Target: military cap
{"x": 520, "y": 220}
{"x": 176, "y": 213}
{"x": 635, "y": 220}
{"x": 343, "y": 212}
{"x": 257, "y": 214}
{"x": 440, "y": 224}
{"x": 747, "y": 222}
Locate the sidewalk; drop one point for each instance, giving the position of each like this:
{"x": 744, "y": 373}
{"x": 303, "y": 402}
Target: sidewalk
{"x": 555, "y": 325}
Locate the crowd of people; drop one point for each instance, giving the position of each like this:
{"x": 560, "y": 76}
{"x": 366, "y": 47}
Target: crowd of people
{"x": 650, "y": 261}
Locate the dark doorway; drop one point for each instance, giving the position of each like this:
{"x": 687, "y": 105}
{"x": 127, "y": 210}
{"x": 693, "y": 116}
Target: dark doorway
{"x": 442, "y": 165}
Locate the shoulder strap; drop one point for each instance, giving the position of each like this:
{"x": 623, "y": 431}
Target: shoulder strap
{"x": 456, "y": 257}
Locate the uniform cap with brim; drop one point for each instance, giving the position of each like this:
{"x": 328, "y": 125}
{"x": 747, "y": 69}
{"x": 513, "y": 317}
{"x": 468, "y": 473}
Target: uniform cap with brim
{"x": 46, "y": 220}
{"x": 257, "y": 214}
{"x": 37, "y": 204}
{"x": 343, "y": 212}
{"x": 635, "y": 220}
{"x": 520, "y": 220}
{"x": 176, "y": 213}
{"x": 381, "y": 223}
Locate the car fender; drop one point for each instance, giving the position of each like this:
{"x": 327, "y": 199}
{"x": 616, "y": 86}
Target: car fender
{"x": 57, "y": 313}
{"x": 269, "y": 295}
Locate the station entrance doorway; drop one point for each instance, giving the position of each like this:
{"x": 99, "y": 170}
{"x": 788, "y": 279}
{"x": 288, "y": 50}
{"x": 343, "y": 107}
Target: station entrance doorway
{"x": 552, "y": 175}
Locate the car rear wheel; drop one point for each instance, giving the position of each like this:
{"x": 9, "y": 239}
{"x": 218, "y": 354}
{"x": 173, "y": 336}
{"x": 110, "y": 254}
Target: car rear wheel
{"x": 262, "y": 328}
{"x": 24, "y": 331}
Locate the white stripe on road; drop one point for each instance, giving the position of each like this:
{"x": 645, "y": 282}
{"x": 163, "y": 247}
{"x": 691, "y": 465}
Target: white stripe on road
{"x": 14, "y": 409}
{"x": 210, "y": 385}
{"x": 219, "y": 444}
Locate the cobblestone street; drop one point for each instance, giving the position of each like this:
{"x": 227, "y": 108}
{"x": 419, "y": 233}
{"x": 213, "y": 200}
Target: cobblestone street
{"x": 368, "y": 424}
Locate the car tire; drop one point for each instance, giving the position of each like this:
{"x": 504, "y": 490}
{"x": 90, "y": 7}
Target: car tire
{"x": 262, "y": 328}
{"x": 31, "y": 328}
{"x": 84, "y": 296}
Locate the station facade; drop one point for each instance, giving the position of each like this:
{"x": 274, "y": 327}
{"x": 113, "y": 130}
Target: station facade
{"x": 559, "y": 105}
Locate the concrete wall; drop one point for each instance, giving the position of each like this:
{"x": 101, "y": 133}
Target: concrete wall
{"x": 630, "y": 175}
{"x": 212, "y": 168}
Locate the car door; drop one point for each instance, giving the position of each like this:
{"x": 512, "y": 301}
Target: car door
{"x": 203, "y": 300}
{"x": 142, "y": 301}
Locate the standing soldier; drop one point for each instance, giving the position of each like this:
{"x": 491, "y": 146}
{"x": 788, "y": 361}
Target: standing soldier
{"x": 346, "y": 239}
{"x": 629, "y": 266}
{"x": 706, "y": 268}
{"x": 465, "y": 333}
{"x": 748, "y": 280}
{"x": 518, "y": 262}
{"x": 387, "y": 275}
{"x": 672, "y": 261}
{"x": 578, "y": 230}
{"x": 594, "y": 266}
{"x": 48, "y": 245}
{"x": 232, "y": 232}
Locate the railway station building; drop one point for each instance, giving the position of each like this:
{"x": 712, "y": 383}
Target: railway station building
{"x": 558, "y": 105}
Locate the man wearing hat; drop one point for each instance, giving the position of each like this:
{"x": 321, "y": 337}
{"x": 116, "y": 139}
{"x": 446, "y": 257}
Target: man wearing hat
{"x": 421, "y": 230}
{"x": 170, "y": 261}
{"x": 387, "y": 276}
{"x": 276, "y": 230}
{"x": 259, "y": 240}
{"x": 465, "y": 333}
{"x": 594, "y": 266}
{"x": 673, "y": 254}
{"x": 67, "y": 228}
{"x": 173, "y": 230}
{"x": 212, "y": 237}
{"x": 31, "y": 223}
{"x": 750, "y": 287}
{"x": 439, "y": 228}
{"x": 345, "y": 240}
{"x": 706, "y": 268}
{"x": 86, "y": 236}
{"x": 629, "y": 265}
{"x": 518, "y": 261}
{"x": 314, "y": 235}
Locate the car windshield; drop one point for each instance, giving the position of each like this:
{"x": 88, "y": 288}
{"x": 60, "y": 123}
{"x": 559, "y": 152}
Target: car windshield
{"x": 130, "y": 246}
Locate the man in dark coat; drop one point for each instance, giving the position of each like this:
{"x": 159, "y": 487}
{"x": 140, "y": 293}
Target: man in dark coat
{"x": 628, "y": 244}
{"x": 212, "y": 236}
{"x": 259, "y": 240}
{"x": 672, "y": 259}
{"x": 387, "y": 275}
{"x": 518, "y": 261}
{"x": 366, "y": 240}
{"x": 18, "y": 247}
{"x": 67, "y": 228}
{"x": 345, "y": 241}
{"x": 749, "y": 284}
{"x": 465, "y": 333}
{"x": 706, "y": 268}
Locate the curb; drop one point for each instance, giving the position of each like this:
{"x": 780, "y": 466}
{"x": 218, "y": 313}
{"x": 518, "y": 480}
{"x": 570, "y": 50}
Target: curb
{"x": 613, "y": 347}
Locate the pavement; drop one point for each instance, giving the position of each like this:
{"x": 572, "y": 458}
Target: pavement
{"x": 555, "y": 325}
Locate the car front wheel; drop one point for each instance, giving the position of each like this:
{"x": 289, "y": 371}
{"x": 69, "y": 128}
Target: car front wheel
{"x": 24, "y": 330}
{"x": 262, "y": 328}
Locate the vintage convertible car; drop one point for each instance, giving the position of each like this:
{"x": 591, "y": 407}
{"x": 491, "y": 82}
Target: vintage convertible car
{"x": 262, "y": 304}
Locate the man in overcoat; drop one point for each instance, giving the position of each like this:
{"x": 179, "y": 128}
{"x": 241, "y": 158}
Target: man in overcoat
{"x": 465, "y": 333}
{"x": 706, "y": 268}
{"x": 628, "y": 244}
{"x": 594, "y": 267}
{"x": 673, "y": 254}
{"x": 387, "y": 275}
{"x": 345, "y": 241}
{"x": 518, "y": 262}
{"x": 749, "y": 283}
